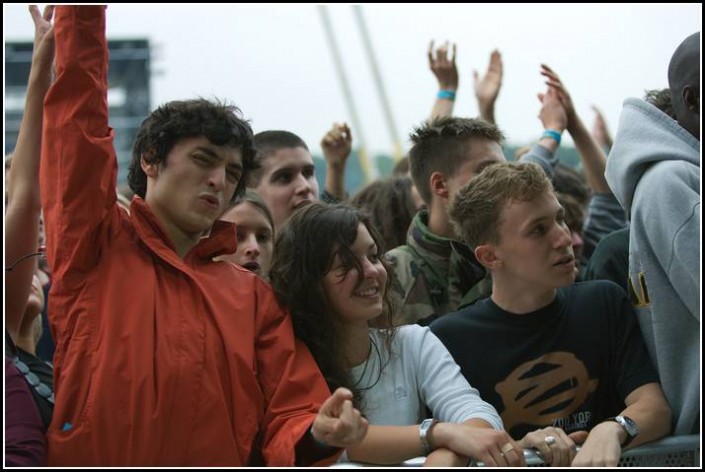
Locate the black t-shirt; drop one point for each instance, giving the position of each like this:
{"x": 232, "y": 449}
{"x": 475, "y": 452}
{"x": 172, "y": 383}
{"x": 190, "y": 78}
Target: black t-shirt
{"x": 570, "y": 364}
{"x": 610, "y": 260}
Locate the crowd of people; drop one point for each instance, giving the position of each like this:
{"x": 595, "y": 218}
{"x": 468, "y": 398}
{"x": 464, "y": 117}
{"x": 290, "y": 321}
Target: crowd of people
{"x": 231, "y": 313}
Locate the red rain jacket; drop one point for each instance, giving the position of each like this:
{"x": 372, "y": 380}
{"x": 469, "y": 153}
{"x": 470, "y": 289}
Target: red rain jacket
{"x": 159, "y": 360}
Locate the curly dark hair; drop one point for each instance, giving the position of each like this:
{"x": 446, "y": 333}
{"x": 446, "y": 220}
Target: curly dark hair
{"x": 220, "y": 122}
{"x": 303, "y": 254}
{"x": 661, "y": 99}
{"x": 391, "y": 208}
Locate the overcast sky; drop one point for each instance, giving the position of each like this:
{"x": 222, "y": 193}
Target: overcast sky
{"x": 274, "y": 63}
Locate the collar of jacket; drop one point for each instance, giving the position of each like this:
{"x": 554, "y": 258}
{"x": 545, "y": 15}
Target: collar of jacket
{"x": 440, "y": 252}
{"x": 421, "y": 238}
{"x": 222, "y": 238}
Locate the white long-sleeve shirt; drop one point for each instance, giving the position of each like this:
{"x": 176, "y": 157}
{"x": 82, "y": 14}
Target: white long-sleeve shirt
{"x": 421, "y": 372}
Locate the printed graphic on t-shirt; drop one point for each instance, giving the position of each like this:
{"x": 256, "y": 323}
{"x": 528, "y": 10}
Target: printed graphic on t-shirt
{"x": 547, "y": 391}
{"x": 638, "y": 294}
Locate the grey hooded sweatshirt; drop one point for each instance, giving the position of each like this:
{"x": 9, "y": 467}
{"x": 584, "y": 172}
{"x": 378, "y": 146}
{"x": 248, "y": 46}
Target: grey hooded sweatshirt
{"x": 654, "y": 171}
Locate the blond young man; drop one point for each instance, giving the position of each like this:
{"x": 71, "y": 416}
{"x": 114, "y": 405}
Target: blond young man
{"x": 562, "y": 363}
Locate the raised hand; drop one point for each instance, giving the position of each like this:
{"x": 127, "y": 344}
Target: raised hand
{"x": 487, "y": 88}
{"x": 443, "y": 67}
{"x": 336, "y": 145}
{"x": 43, "y": 35}
{"x": 553, "y": 81}
{"x": 553, "y": 114}
{"x": 600, "y": 131}
{"x": 23, "y": 200}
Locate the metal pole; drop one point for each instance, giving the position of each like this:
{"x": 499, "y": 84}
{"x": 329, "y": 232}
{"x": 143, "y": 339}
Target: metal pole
{"x": 391, "y": 125}
{"x": 347, "y": 93}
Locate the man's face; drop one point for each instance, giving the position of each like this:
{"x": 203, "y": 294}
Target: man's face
{"x": 192, "y": 188}
{"x": 287, "y": 182}
{"x": 481, "y": 152}
{"x": 535, "y": 251}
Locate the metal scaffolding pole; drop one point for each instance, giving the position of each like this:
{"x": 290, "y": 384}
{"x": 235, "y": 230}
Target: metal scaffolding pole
{"x": 391, "y": 125}
{"x": 367, "y": 169}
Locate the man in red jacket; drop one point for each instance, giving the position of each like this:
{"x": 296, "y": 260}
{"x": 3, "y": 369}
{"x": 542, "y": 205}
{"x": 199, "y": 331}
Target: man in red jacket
{"x": 165, "y": 357}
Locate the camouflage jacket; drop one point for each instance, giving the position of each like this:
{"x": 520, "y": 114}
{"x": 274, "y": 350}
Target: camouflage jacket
{"x": 433, "y": 275}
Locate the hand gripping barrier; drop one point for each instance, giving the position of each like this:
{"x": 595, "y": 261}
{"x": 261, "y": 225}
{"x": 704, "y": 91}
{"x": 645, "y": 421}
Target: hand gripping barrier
{"x": 672, "y": 451}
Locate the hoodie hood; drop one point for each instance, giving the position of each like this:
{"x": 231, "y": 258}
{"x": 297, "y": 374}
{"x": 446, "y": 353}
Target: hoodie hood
{"x": 645, "y": 136}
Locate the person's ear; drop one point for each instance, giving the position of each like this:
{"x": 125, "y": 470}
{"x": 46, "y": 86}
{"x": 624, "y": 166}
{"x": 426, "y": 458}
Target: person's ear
{"x": 149, "y": 166}
{"x": 486, "y": 255}
{"x": 439, "y": 185}
{"x": 691, "y": 99}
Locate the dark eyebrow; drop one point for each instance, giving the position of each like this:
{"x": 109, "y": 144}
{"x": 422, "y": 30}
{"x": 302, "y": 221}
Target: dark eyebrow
{"x": 208, "y": 151}
{"x": 293, "y": 169}
{"x": 212, "y": 154}
{"x": 235, "y": 165}
{"x": 283, "y": 170}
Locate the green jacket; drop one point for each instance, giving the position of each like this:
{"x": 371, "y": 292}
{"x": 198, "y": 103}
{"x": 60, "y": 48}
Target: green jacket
{"x": 433, "y": 275}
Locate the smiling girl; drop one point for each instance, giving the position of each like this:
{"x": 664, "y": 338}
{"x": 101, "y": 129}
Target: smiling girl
{"x": 328, "y": 271}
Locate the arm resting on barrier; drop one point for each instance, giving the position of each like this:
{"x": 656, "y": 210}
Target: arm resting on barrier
{"x": 680, "y": 451}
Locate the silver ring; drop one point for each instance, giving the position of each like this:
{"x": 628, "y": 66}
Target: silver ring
{"x": 550, "y": 440}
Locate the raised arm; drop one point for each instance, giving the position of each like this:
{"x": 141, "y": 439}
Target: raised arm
{"x": 592, "y": 156}
{"x": 487, "y": 88}
{"x": 600, "y": 131}
{"x": 446, "y": 72}
{"x": 24, "y": 205}
{"x": 336, "y": 145}
{"x": 554, "y": 120}
{"x": 553, "y": 117}
{"x": 78, "y": 167}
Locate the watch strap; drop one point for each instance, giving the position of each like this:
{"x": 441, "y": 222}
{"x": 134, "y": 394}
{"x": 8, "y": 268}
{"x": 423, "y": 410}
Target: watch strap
{"x": 424, "y": 432}
{"x": 629, "y": 427}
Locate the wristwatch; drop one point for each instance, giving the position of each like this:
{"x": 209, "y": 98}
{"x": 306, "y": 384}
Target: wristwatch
{"x": 424, "y": 432}
{"x": 629, "y": 426}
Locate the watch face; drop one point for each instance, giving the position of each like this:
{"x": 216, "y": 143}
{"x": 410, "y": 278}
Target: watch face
{"x": 629, "y": 425}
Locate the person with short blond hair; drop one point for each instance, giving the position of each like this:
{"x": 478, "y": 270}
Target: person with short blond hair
{"x": 562, "y": 363}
